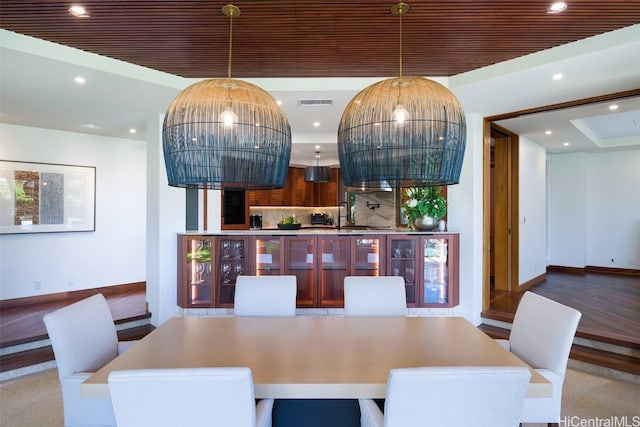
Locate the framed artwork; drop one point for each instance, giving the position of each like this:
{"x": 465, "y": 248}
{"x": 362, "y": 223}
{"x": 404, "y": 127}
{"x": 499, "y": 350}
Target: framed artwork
{"x": 46, "y": 198}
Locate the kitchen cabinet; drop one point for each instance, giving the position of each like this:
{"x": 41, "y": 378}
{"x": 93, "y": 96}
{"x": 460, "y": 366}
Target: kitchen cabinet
{"x": 300, "y": 255}
{"x": 231, "y": 257}
{"x": 333, "y": 266}
{"x": 195, "y": 281}
{"x": 209, "y": 265}
{"x": 440, "y": 270}
{"x": 368, "y": 255}
{"x": 429, "y": 265}
{"x": 298, "y": 192}
{"x": 402, "y": 261}
{"x": 288, "y": 255}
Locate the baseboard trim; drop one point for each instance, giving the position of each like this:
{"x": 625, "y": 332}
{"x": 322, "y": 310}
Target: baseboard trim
{"x": 594, "y": 269}
{"x": 563, "y": 269}
{"x": 72, "y": 295}
{"x": 530, "y": 283}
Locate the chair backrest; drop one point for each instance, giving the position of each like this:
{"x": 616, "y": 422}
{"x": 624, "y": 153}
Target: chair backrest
{"x": 375, "y": 296}
{"x": 459, "y": 396}
{"x": 543, "y": 331}
{"x": 183, "y": 397}
{"x": 265, "y": 296}
{"x": 83, "y": 336}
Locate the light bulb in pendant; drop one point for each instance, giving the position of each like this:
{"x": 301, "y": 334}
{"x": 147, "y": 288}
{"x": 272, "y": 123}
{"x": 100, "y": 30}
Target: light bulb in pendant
{"x": 228, "y": 117}
{"x": 400, "y": 114}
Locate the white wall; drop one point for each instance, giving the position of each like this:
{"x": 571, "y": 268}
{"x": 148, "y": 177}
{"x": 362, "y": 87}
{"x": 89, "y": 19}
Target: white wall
{"x": 594, "y": 209}
{"x": 613, "y": 209}
{"x": 465, "y": 217}
{"x": 532, "y": 210}
{"x": 567, "y": 210}
{"x": 115, "y": 252}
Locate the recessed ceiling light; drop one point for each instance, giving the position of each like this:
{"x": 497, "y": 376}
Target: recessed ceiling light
{"x": 613, "y": 107}
{"x": 80, "y": 80}
{"x": 78, "y": 11}
{"x": 132, "y": 130}
{"x": 547, "y": 132}
{"x": 557, "y": 76}
{"x": 566, "y": 144}
{"x": 279, "y": 102}
{"x": 316, "y": 124}
{"x": 557, "y": 7}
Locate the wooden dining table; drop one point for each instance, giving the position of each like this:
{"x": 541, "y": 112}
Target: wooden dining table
{"x": 305, "y": 357}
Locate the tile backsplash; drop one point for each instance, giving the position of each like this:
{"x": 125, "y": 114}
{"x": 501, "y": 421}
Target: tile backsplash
{"x": 375, "y": 209}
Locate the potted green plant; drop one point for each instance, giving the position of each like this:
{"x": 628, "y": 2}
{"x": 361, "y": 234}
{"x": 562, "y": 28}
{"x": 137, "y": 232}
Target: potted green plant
{"x": 424, "y": 206}
{"x": 289, "y": 223}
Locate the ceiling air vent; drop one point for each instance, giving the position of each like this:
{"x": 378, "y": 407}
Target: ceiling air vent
{"x": 315, "y": 102}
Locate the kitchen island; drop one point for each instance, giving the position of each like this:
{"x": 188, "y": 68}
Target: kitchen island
{"x": 320, "y": 258}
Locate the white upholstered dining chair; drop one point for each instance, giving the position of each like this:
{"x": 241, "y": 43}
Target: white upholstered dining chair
{"x": 84, "y": 339}
{"x": 265, "y": 296}
{"x": 375, "y": 296}
{"x": 191, "y": 397}
{"x": 541, "y": 335}
{"x": 459, "y": 396}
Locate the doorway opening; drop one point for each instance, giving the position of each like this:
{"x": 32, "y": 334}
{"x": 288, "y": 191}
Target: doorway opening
{"x": 501, "y": 197}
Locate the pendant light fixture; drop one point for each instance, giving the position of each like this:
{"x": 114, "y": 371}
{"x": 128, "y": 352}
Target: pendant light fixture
{"x": 226, "y": 133}
{"x": 404, "y": 131}
{"x": 317, "y": 173}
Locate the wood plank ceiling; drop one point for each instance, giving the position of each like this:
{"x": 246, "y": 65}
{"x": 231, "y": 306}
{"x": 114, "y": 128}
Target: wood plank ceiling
{"x": 306, "y": 38}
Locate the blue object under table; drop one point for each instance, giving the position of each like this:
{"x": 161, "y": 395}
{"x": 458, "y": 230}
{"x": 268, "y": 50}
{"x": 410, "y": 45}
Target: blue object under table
{"x": 316, "y": 413}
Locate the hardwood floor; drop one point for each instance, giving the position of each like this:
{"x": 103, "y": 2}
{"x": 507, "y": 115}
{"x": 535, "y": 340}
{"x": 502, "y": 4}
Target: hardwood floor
{"x": 610, "y": 304}
{"x": 24, "y": 323}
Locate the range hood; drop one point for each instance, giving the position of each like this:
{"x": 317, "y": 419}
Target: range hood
{"x": 382, "y": 186}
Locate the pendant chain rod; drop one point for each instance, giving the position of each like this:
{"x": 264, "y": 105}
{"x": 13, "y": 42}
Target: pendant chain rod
{"x": 400, "y": 43}
{"x": 230, "y": 45}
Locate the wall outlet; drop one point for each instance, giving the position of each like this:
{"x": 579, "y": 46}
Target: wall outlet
{"x": 37, "y": 285}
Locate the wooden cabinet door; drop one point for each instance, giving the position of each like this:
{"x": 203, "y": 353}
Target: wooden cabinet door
{"x": 439, "y": 278}
{"x": 232, "y": 260}
{"x": 328, "y": 191}
{"x": 402, "y": 260}
{"x": 300, "y": 261}
{"x": 333, "y": 266}
{"x": 297, "y": 186}
{"x": 195, "y": 278}
{"x": 368, "y": 255}
{"x": 269, "y": 255}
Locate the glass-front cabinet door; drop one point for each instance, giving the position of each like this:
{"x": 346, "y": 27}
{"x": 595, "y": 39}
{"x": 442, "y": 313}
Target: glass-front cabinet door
{"x": 195, "y": 271}
{"x": 231, "y": 262}
{"x": 300, "y": 257}
{"x": 439, "y": 271}
{"x": 367, "y": 253}
{"x": 268, "y": 250}
{"x": 402, "y": 257}
{"x": 333, "y": 266}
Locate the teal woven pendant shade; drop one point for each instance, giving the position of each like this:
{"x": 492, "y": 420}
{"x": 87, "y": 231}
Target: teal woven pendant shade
{"x": 201, "y": 151}
{"x": 426, "y": 149}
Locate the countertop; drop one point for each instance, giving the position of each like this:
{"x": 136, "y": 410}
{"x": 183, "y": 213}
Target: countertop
{"x": 318, "y": 230}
